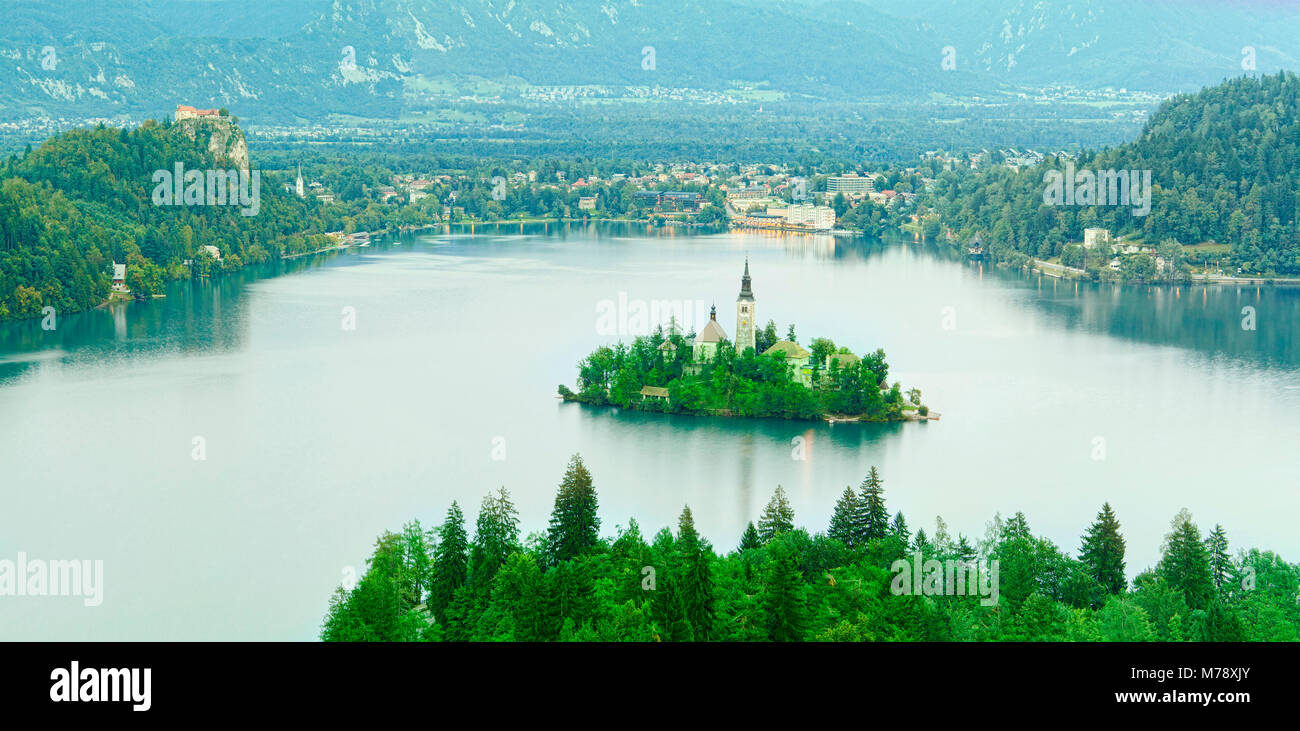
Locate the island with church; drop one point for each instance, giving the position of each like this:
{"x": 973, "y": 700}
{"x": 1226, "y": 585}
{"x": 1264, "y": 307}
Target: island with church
{"x": 759, "y": 375}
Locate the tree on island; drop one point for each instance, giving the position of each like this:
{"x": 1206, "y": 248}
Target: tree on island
{"x": 766, "y": 338}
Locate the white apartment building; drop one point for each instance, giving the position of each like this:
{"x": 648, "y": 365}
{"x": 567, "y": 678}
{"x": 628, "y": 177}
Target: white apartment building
{"x": 851, "y": 183}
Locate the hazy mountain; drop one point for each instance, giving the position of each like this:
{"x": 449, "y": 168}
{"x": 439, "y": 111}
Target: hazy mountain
{"x": 304, "y": 59}
{"x": 1157, "y": 45}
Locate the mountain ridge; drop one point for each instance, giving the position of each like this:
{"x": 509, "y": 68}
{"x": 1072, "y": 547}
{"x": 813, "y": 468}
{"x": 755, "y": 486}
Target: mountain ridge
{"x": 290, "y": 62}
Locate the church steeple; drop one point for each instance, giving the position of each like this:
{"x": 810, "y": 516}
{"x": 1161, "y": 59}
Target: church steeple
{"x": 745, "y": 313}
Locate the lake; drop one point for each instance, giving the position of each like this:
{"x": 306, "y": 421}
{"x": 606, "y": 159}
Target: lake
{"x": 362, "y": 390}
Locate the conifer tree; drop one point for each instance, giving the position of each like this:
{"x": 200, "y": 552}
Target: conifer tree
{"x": 376, "y": 609}
{"x": 965, "y": 551}
{"x": 1186, "y": 563}
{"x": 898, "y": 529}
{"x": 496, "y": 536}
{"x": 1219, "y": 624}
{"x": 844, "y": 519}
{"x": 1103, "y": 551}
{"x": 920, "y": 542}
{"x": 519, "y": 590}
{"x": 416, "y": 564}
{"x": 450, "y": 562}
{"x": 575, "y": 525}
{"x": 783, "y": 590}
{"x": 750, "y": 540}
{"x": 1221, "y": 568}
{"x": 777, "y": 518}
{"x": 667, "y": 607}
{"x": 696, "y": 577}
{"x": 873, "y": 517}
{"x": 1017, "y": 528}
{"x": 571, "y": 594}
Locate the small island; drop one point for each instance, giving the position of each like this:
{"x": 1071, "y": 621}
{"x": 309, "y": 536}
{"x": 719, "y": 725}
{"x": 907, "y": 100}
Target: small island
{"x": 758, "y": 376}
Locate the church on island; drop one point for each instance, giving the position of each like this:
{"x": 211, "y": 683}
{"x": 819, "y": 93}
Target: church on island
{"x": 705, "y": 345}
{"x": 707, "y": 373}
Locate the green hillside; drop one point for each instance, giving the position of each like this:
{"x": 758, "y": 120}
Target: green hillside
{"x": 1223, "y": 170}
{"x": 84, "y": 200}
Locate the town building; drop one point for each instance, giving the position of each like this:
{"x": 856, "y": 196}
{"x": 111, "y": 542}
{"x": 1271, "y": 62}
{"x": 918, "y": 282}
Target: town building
{"x": 852, "y": 184}
{"x": 669, "y": 200}
{"x": 812, "y": 216}
{"x": 119, "y": 277}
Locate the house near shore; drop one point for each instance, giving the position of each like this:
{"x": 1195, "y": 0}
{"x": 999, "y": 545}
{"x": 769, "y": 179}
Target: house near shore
{"x": 119, "y": 278}
{"x": 654, "y": 393}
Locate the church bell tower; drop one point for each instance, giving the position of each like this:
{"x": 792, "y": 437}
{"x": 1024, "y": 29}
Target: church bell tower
{"x": 745, "y": 313}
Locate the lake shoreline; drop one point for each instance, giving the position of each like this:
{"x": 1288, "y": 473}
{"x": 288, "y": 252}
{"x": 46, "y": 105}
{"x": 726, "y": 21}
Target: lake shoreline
{"x": 830, "y": 419}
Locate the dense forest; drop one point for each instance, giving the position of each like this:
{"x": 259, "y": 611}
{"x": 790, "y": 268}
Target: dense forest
{"x": 84, "y": 199}
{"x": 783, "y": 583}
{"x": 1223, "y": 168}
{"x": 754, "y": 383}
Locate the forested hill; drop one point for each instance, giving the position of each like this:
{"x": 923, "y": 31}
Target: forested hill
{"x": 1223, "y": 168}
{"x": 84, "y": 200}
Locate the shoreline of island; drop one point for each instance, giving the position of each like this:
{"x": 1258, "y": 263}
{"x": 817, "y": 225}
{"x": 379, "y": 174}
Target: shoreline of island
{"x": 758, "y": 375}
